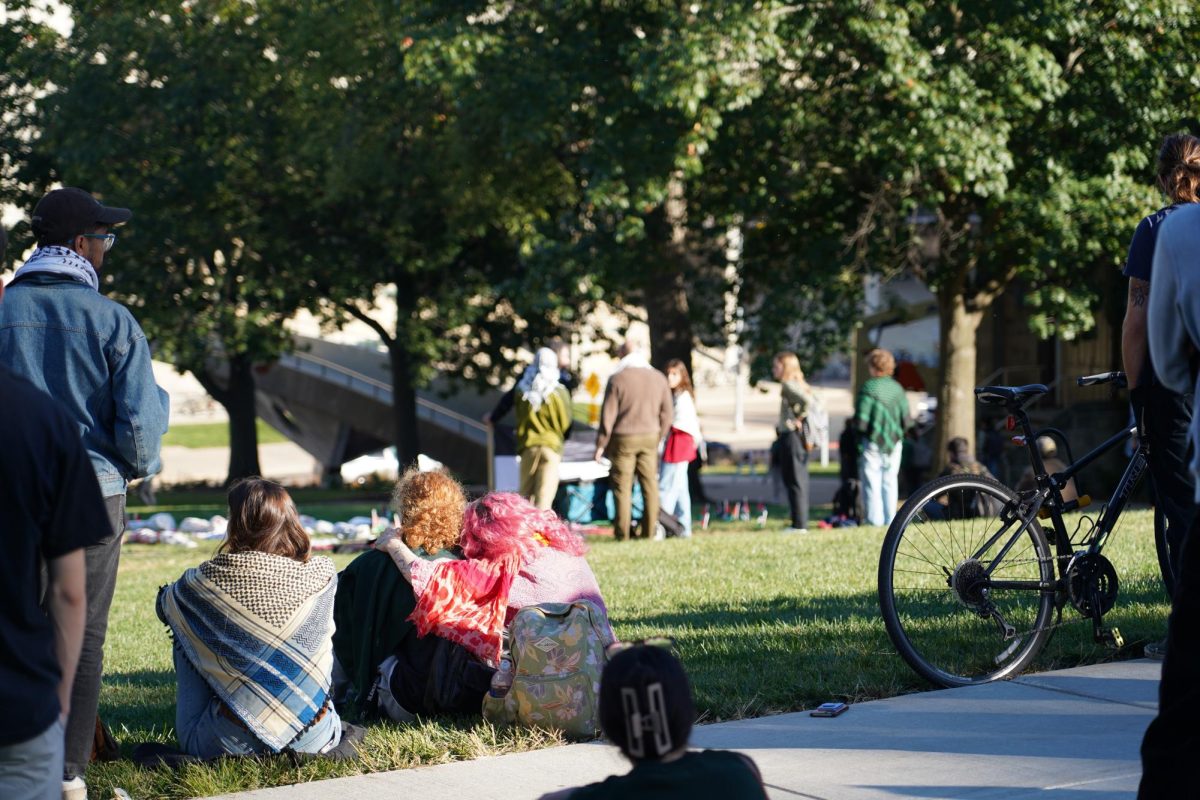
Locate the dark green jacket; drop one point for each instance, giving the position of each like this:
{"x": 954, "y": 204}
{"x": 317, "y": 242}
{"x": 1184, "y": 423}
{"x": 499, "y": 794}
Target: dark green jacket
{"x": 881, "y": 413}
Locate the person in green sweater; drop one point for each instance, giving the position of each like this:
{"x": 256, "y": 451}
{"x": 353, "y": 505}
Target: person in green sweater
{"x": 543, "y": 409}
{"x": 386, "y": 668}
{"x": 646, "y": 709}
{"x": 880, "y": 417}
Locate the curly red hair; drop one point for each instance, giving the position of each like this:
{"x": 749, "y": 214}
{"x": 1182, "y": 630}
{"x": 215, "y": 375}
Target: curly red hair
{"x": 431, "y": 506}
{"x": 501, "y": 524}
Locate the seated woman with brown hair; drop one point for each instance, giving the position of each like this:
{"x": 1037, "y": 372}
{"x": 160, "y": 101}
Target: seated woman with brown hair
{"x": 516, "y": 555}
{"x": 393, "y": 671}
{"x": 252, "y": 629}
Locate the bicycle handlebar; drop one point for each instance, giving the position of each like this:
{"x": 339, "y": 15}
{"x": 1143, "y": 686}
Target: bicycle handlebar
{"x": 1104, "y": 377}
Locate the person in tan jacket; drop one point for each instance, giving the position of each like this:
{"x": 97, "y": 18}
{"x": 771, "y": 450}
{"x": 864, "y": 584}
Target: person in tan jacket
{"x": 636, "y": 415}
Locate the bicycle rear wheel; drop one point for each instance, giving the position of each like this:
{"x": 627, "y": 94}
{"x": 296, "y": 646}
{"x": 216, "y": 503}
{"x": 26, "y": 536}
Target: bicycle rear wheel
{"x": 941, "y": 607}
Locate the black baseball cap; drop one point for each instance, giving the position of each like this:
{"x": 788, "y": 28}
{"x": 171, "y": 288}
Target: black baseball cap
{"x": 63, "y": 214}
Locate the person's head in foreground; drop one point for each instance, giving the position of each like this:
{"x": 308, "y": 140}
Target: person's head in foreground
{"x": 430, "y": 505}
{"x": 502, "y": 524}
{"x": 263, "y": 519}
{"x": 646, "y": 710}
{"x": 646, "y": 706}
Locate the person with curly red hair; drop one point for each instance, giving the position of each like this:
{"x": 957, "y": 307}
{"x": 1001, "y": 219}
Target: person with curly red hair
{"x": 379, "y": 652}
{"x": 516, "y": 555}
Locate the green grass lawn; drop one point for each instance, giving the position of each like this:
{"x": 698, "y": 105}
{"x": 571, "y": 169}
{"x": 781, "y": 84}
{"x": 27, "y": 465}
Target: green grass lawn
{"x": 765, "y": 623}
{"x": 215, "y": 434}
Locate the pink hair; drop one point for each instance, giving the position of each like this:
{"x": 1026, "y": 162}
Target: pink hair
{"x": 502, "y": 524}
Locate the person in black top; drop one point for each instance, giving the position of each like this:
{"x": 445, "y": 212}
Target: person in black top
{"x": 1163, "y": 416}
{"x": 52, "y": 509}
{"x": 646, "y": 710}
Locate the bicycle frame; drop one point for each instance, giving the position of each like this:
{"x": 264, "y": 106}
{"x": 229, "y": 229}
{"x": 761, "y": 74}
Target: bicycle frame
{"x": 1048, "y": 496}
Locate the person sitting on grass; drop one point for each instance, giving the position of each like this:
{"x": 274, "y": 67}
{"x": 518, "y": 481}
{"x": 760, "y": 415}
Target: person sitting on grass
{"x": 253, "y": 628}
{"x": 517, "y": 555}
{"x": 961, "y": 503}
{"x": 646, "y": 710}
{"x": 377, "y": 649}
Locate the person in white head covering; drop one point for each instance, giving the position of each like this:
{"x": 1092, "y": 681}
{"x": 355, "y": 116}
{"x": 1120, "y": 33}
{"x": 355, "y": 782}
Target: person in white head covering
{"x": 543, "y": 410}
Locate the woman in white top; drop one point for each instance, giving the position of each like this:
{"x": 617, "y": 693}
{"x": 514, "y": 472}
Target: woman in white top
{"x": 680, "y": 448}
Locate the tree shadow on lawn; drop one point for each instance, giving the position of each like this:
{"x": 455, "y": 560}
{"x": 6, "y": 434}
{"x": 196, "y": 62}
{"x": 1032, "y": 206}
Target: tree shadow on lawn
{"x": 788, "y": 653}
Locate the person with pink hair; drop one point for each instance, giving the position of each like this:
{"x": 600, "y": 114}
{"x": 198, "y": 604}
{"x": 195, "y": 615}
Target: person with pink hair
{"x": 516, "y": 555}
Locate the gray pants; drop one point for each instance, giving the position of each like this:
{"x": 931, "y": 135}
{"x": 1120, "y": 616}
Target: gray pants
{"x": 102, "y": 559}
{"x": 33, "y": 769}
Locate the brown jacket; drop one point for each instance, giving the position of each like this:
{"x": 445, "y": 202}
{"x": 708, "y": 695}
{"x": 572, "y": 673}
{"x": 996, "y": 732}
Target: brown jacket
{"x": 637, "y": 402}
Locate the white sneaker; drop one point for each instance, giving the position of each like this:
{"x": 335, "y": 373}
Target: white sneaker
{"x": 74, "y": 789}
{"x": 795, "y": 530}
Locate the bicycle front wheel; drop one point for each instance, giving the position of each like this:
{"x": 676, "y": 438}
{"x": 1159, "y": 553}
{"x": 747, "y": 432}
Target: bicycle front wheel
{"x": 965, "y": 598}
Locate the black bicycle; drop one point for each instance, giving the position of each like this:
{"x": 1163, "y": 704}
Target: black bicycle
{"x": 969, "y": 586}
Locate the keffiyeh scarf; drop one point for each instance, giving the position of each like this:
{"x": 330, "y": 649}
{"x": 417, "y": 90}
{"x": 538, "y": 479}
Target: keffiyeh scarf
{"x": 61, "y": 261}
{"x": 540, "y": 378}
{"x": 259, "y": 628}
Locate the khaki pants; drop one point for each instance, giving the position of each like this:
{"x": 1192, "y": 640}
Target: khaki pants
{"x": 632, "y": 454}
{"x": 539, "y": 475}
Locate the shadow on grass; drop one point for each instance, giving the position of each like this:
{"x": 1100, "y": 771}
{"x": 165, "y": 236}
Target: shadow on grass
{"x": 789, "y": 653}
{"x": 139, "y": 706}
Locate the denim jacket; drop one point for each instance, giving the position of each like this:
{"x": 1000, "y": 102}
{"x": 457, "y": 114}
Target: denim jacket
{"x": 89, "y": 353}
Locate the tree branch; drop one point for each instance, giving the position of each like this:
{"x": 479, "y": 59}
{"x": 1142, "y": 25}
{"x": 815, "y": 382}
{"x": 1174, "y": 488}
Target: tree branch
{"x": 362, "y": 316}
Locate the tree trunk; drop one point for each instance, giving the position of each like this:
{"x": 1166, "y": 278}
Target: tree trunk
{"x": 664, "y": 286}
{"x": 667, "y": 315}
{"x": 237, "y": 398}
{"x": 243, "y": 419}
{"x": 404, "y": 405}
{"x": 958, "y": 326}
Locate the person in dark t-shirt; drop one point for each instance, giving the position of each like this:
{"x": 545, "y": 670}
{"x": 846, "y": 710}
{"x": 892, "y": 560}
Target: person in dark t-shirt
{"x": 646, "y": 710}
{"x": 51, "y": 510}
{"x": 1163, "y": 416}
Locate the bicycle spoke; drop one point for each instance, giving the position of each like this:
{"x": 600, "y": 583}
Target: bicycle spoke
{"x": 942, "y": 611}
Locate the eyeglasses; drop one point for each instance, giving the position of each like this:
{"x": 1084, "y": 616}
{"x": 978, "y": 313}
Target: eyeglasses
{"x": 665, "y": 642}
{"x": 109, "y": 239}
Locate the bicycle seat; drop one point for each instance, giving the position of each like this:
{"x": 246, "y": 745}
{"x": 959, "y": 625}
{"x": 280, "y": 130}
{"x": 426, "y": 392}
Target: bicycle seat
{"x": 1009, "y": 395}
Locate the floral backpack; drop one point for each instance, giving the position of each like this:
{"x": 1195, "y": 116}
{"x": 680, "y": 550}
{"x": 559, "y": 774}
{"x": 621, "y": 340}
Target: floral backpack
{"x": 557, "y": 652}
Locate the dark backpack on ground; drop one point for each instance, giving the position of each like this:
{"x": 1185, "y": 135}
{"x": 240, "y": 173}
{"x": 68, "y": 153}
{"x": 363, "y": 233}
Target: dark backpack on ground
{"x": 848, "y": 500}
{"x": 672, "y": 526}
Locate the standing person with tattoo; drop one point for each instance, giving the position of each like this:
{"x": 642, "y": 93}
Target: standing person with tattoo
{"x": 1163, "y": 416}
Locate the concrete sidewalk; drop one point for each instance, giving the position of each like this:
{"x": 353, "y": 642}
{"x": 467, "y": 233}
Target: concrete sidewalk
{"x": 1053, "y": 736}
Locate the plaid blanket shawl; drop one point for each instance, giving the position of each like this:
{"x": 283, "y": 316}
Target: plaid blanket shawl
{"x": 259, "y": 628}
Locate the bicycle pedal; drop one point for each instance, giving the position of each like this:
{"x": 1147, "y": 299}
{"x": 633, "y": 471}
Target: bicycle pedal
{"x": 1112, "y": 638}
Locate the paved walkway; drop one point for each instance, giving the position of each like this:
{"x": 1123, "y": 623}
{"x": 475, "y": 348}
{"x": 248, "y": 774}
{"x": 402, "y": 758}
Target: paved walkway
{"x": 1052, "y": 736}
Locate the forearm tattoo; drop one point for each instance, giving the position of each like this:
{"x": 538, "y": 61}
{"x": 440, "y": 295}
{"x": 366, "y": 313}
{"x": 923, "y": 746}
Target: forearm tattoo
{"x": 1139, "y": 292}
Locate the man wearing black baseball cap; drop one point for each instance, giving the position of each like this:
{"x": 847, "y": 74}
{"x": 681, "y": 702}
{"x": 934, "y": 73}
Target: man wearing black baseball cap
{"x": 87, "y": 352}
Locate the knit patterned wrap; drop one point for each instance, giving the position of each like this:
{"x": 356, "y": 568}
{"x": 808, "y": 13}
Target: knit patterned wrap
{"x": 259, "y": 629}
{"x": 882, "y": 413}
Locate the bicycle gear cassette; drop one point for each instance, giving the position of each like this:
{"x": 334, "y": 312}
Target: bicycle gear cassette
{"x": 969, "y": 583}
{"x": 1092, "y": 584}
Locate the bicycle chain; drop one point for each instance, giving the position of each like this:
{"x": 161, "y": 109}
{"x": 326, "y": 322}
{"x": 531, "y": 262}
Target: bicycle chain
{"x": 1073, "y": 620}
